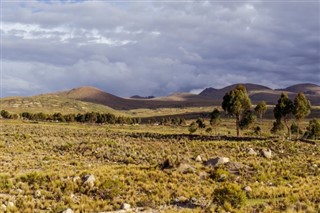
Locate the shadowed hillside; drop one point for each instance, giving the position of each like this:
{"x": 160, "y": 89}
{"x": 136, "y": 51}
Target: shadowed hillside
{"x": 259, "y": 93}
{"x": 94, "y": 95}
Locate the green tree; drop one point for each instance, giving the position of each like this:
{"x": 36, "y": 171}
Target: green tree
{"x": 201, "y": 124}
{"x": 313, "y": 130}
{"x": 5, "y": 114}
{"x": 283, "y": 111}
{"x": 215, "y": 119}
{"x": 192, "y": 128}
{"x": 260, "y": 109}
{"x": 235, "y": 103}
{"x": 247, "y": 119}
{"x": 302, "y": 108}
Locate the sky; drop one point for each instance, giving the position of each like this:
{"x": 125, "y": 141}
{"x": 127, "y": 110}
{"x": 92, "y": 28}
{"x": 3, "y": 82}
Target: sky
{"x": 157, "y": 47}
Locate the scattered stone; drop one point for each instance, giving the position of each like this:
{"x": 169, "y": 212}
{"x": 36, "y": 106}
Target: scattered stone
{"x": 37, "y": 194}
{"x": 20, "y": 191}
{"x": 10, "y": 204}
{"x": 3, "y": 208}
{"x": 203, "y": 175}
{"x": 269, "y": 184}
{"x": 222, "y": 177}
{"x": 289, "y": 185}
{"x": 89, "y": 180}
{"x": 267, "y": 153}
{"x": 217, "y": 161}
{"x": 247, "y": 189}
{"x": 68, "y": 210}
{"x": 125, "y": 206}
{"x": 186, "y": 168}
{"x": 199, "y": 159}
{"x": 250, "y": 151}
{"x": 75, "y": 179}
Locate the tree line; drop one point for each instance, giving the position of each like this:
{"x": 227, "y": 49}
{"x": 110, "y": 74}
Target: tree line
{"x": 90, "y": 117}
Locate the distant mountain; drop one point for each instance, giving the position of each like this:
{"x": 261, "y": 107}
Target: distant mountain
{"x": 259, "y": 93}
{"x": 310, "y": 89}
{"x": 97, "y": 96}
{"x": 141, "y": 97}
{"x": 87, "y": 99}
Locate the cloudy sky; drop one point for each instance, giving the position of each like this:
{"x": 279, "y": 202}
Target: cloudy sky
{"x": 157, "y": 47}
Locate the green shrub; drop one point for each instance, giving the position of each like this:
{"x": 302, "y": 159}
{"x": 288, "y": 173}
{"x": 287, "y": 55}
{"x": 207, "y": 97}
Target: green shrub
{"x": 230, "y": 193}
{"x": 219, "y": 174}
{"x": 5, "y": 182}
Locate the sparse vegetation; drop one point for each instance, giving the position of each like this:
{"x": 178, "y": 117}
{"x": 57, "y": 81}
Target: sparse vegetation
{"x": 98, "y": 162}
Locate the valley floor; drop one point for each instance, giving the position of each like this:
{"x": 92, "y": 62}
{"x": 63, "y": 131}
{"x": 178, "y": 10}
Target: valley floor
{"x": 49, "y": 167}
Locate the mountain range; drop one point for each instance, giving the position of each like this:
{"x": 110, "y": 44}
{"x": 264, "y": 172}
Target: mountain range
{"x": 208, "y": 97}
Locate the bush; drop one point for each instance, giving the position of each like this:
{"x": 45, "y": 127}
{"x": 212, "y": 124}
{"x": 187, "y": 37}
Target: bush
{"x": 219, "y": 174}
{"x": 313, "y": 130}
{"x": 230, "y": 193}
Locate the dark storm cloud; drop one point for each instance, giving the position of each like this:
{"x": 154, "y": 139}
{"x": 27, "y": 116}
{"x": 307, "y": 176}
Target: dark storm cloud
{"x": 156, "y": 48}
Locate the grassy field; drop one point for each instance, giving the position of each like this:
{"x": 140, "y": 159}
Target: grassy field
{"x": 44, "y": 167}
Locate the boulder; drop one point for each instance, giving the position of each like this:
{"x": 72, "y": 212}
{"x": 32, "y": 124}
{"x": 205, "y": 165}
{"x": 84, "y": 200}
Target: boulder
{"x": 125, "y": 206}
{"x": 37, "y": 194}
{"x": 10, "y": 204}
{"x": 68, "y": 210}
{"x": 250, "y": 151}
{"x": 247, "y": 189}
{"x": 199, "y": 159}
{"x": 89, "y": 180}
{"x": 186, "y": 168}
{"x": 267, "y": 153}
{"x": 217, "y": 161}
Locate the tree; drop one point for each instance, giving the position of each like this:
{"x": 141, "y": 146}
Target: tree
{"x": 5, "y": 114}
{"x": 260, "y": 109}
{"x": 235, "y": 103}
{"x": 215, "y": 118}
{"x": 247, "y": 119}
{"x": 201, "y": 124}
{"x": 283, "y": 111}
{"x": 277, "y": 127}
{"x": 302, "y": 108}
{"x": 313, "y": 130}
{"x": 192, "y": 128}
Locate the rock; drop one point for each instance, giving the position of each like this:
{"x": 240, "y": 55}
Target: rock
{"x": 217, "y": 161}
{"x": 10, "y": 204}
{"x": 199, "y": 159}
{"x": 68, "y": 210}
{"x": 222, "y": 177}
{"x": 269, "y": 184}
{"x": 186, "y": 168}
{"x": 250, "y": 151}
{"x": 247, "y": 189}
{"x": 203, "y": 175}
{"x": 37, "y": 194}
{"x": 289, "y": 185}
{"x": 125, "y": 206}
{"x": 19, "y": 191}
{"x": 75, "y": 179}
{"x": 3, "y": 207}
{"x": 89, "y": 180}
{"x": 267, "y": 153}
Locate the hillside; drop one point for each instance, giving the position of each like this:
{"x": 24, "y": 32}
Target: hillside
{"x": 87, "y": 99}
{"x": 51, "y": 104}
{"x": 259, "y": 93}
{"x": 94, "y": 95}
{"x": 310, "y": 89}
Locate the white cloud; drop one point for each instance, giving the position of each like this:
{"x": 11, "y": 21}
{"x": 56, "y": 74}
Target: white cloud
{"x": 156, "y": 48}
